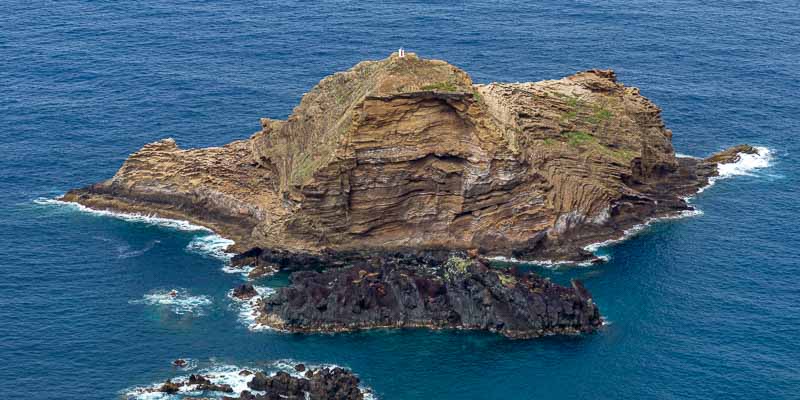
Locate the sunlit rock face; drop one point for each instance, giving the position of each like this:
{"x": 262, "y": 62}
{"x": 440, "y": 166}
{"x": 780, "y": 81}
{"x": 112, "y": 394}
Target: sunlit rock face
{"x": 409, "y": 153}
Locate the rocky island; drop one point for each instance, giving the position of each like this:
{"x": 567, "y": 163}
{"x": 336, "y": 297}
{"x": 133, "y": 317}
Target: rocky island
{"x": 405, "y": 175}
{"x": 324, "y": 383}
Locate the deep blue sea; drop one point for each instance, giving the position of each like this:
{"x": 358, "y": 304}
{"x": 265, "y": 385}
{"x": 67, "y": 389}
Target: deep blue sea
{"x": 698, "y": 308}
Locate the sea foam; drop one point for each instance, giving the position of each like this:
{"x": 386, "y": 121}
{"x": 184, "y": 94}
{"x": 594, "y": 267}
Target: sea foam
{"x": 177, "y": 224}
{"x": 210, "y": 244}
{"x": 248, "y": 309}
{"x": 181, "y": 302}
{"x": 220, "y": 374}
{"x": 744, "y": 166}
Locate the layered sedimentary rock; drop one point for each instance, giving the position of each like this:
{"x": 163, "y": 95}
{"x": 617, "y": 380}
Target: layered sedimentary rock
{"x": 409, "y": 153}
{"x": 404, "y": 291}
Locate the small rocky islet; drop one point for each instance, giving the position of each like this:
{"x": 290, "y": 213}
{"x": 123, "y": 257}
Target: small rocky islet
{"x": 324, "y": 383}
{"x": 391, "y": 184}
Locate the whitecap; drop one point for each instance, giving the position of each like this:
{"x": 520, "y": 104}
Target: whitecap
{"x": 225, "y": 374}
{"x": 546, "y": 263}
{"x": 241, "y": 270}
{"x": 636, "y": 229}
{"x": 212, "y": 245}
{"x": 177, "y": 224}
{"x": 679, "y": 155}
{"x": 180, "y": 302}
{"x": 249, "y": 308}
{"x": 744, "y": 166}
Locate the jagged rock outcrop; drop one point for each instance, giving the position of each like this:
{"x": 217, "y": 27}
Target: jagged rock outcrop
{"x": 244, "y": 291}
{"x": 320, "y": 384}
{"x": 324, "y": 383}
{"x": 409, "y": 153}
{"x": 433, "y": 292}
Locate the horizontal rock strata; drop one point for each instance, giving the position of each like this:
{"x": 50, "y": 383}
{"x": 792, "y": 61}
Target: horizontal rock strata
{"x": 409, "y": 153}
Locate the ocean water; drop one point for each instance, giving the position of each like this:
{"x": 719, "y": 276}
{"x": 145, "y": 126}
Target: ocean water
{"x": 697, "y": 308}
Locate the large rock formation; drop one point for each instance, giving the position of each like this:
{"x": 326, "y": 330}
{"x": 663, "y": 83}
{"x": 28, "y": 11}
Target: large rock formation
{"x": 407, "y": 291}
{"x": 408, "y": 156}
{"x": 324, "y": 383}
{"x": 409, "y": 153}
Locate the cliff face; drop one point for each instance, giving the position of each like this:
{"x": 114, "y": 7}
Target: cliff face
{"x": 409, "y": 153}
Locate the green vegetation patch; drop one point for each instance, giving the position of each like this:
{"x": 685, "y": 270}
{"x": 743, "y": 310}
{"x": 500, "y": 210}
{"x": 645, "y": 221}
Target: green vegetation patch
{"x": 477, "y": 96}
{"x": 589, "y": 143}
{"x": 578, "y": 138}
{"x": 507, "y": 280}
{"x": 456, "y": 266}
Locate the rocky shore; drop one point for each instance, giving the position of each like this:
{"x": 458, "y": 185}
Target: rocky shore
{"x": 431, "y": 292}
{"x": 406, "y": 158}
{"x": 325, "y": 383}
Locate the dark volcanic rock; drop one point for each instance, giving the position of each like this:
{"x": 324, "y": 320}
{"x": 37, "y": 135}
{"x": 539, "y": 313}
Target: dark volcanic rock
{"x": 245, "y": 291}
{"x": 204, "y": 384}
{"x": 321, "y": 384}
{"x": 170, "y": 387}
{"x": 458, "y": 293}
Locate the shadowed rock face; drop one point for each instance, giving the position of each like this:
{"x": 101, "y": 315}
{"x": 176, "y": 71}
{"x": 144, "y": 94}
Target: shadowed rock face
{"x": 427, "y": 291}
{"x": 409, "y": 153}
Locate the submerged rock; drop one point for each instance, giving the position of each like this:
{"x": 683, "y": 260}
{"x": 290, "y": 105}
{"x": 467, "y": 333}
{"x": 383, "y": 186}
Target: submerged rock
{"x": 454, "y": 293}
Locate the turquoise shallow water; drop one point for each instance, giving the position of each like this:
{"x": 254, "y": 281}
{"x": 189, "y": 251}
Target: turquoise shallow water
{"x": 704, "y": 307}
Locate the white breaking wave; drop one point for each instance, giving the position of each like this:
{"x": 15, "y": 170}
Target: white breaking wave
{"x": 225, "y": 374}
{"x": 636, "y": 229}
{"x": 545, "y": 263}
{"x": 248, "y": 309}
{"x": 244, "y": 271}
{"x": 212, "y": 245}
{"x": 745, "y": 166}
{"x": 177, "y": 224}
{"x": 680, "y": 155}
{"x": 179, "y": 301}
